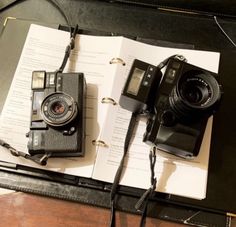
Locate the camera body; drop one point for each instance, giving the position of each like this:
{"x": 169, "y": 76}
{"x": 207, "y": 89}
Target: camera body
{"x": 181, "y": 104}
{"x": 57, "y": 125}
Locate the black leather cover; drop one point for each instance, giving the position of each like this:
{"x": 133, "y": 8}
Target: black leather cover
{"x": 6, "y": 3}
{"x": 153, "y": 26}
{"x": 209, "y": 7}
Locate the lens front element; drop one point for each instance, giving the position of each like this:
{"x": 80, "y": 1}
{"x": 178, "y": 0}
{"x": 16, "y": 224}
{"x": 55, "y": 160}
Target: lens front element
{"x": 195, "y": 91}
{"x": 58, "y": 109}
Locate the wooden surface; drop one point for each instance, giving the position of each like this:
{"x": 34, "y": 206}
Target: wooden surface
{"x": 26, "y": 210}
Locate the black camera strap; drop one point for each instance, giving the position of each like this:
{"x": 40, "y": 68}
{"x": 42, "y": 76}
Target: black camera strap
{"x": 142, "y": 204}
{"x": 117, "y": 178}
{"x": 165, "y": 62}
{"x": 143, "y": 201}
{"x": 40, "y": 159}
{"x": 69, "y": 47}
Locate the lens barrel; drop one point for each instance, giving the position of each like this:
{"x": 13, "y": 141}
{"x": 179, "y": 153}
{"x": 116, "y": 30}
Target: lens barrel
{"x": 196, "y": 93}
{"x": 58, "y": 109}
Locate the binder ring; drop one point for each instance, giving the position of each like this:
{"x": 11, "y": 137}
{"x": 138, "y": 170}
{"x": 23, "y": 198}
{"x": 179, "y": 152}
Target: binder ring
{"x": 109, "y": 100}
{"x": 99, "y": 143}
{"x": 117, "y": 61}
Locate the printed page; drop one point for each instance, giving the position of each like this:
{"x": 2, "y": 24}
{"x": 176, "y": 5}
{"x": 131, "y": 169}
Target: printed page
{"x": 174, "y": 175}
{"x": 44, "y": 50}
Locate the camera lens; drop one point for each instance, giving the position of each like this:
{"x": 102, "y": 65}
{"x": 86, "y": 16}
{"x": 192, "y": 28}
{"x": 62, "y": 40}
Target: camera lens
{"x": 58, "y": 109}
{"x": 192, "y": 95}
{"x": 195, "y": 93}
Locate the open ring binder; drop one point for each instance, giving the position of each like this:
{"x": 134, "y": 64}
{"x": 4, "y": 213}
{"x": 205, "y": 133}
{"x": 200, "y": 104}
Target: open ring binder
{"x": 99, "y": 143}
{"x": 108, "y": 100}
{"x": 117, "y": 61}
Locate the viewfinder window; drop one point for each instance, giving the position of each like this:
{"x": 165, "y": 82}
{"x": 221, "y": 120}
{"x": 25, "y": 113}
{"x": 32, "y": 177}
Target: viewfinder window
{"x": 38, "y": 80}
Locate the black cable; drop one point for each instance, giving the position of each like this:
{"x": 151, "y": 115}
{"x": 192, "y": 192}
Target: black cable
{"x": 117, "y": 178}
{"x": 224, "y": 32}
{"x": 61, "y": 10}
{"x": 55, "y": 3}
{"x": 68, "y": 20}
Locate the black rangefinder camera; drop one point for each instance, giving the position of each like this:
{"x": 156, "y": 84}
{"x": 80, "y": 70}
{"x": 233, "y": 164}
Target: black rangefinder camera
{"x": 179, "y": 103}
{"x": 57, "y": 125}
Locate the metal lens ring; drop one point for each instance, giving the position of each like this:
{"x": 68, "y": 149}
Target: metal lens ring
{"x": 58, "y": 109}
{"x": 198, "y": 89}
{"x": 196, "y": 92}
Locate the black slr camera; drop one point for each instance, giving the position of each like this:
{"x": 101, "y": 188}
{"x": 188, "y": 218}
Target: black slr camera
{"x": 58, "y": 114}
{"x": 178, "y": 103}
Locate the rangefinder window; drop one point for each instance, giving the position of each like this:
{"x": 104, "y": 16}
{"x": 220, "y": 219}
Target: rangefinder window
{"x": 135, "y": 81}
